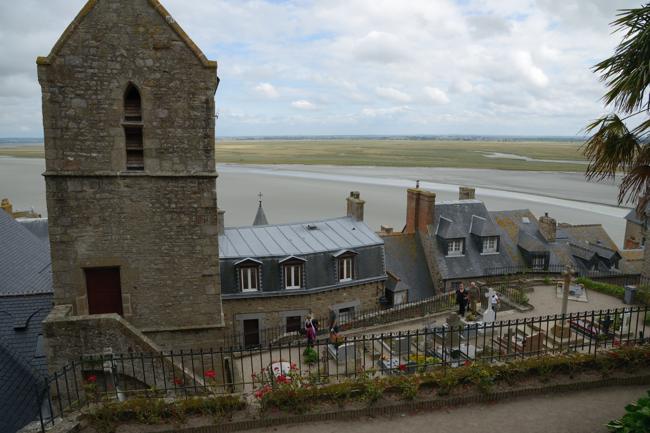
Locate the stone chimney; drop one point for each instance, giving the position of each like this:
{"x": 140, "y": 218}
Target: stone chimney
{"x": 221, "y": 225}
{"x": 6, "y": 206}
{"x": 420, "y": 206}
{"x": 548, "y": 227}
{"x": 466, "y": 193}
{"x": 355, "y": 205}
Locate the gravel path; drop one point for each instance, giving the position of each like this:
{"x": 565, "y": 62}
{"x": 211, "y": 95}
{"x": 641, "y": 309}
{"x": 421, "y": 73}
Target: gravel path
{"x": 577, "y": 412}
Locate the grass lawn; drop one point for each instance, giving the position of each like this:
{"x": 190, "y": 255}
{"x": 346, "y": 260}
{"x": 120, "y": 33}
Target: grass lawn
{"x": 400, "y": 153}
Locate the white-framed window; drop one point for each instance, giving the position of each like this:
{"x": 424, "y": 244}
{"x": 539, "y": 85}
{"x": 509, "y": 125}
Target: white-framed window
{"x": 346, "y": 268}
{"x": 249, "y": 278}
{"x": 490, "y": 245}
{"x": 455, "y": 247}
{"x": 539, "y": 262}
{"x": 293, "y": 276}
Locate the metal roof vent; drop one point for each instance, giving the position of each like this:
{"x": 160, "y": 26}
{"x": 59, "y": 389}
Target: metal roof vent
{"x": 312, "y": 227}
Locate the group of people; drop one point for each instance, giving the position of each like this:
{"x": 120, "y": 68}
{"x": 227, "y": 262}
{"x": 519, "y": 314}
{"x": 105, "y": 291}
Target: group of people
{"x": 464, "y": 297}
{"x": 311, "y": 328}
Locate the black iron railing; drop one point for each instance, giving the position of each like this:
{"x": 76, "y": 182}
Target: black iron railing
{"x": 179, "y": 374}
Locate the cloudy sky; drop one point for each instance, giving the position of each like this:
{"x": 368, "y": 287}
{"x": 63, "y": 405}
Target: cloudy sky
{"x": 505, "y": 67}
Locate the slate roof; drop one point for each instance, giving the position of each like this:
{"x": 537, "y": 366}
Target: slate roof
{"x": 405, "y": 259}
{"x": 24, "y": 260}
{"x": 25, "y": 300}
{"x": 575, "y": 244}
{"x": 461, "y": 214}
{"x": 634, "y": 217}
{"x": 260, "y": 217}
{"x": 37, "y": 226}
{"x": 296, "y": 239}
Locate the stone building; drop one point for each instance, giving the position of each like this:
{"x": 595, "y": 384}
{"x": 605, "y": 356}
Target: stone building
{"x": 636, "y": 225}
{"x": 274, "y": 275}
{"x": 128, "y": 114}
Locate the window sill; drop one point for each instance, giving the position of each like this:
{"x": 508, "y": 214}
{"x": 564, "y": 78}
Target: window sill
{"x": 249, "y": 290}
{"x": 493, "y": 253}
{"x": 345, "y": 280}
{"x": 293, "y": 288}
{"x": 455, "y": 255}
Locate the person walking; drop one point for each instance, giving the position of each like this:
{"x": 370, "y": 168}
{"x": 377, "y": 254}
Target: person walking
{"x": 461, "y": 299}
{"x": 310, "y": 330}
{"x": 494, "y": 304}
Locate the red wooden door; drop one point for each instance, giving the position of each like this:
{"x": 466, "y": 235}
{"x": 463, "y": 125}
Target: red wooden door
{"x": 104, "y": 290}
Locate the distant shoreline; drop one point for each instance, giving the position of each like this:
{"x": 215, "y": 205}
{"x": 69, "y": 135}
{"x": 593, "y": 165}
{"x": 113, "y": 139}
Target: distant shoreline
{"x": 531, "y": 155}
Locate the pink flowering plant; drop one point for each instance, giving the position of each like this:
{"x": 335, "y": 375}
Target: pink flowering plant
{"x": 279, "y": 385}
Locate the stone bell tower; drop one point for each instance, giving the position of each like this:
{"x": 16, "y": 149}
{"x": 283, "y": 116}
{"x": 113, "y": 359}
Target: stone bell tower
{"x": 128, "y": 114}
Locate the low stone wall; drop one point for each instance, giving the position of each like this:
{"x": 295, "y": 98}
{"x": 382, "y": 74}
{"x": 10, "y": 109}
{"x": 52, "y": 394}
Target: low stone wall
{"x": 96, "y": 338}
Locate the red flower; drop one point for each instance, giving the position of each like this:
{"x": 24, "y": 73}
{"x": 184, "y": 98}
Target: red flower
{"x": 467, "y": 363}
{"x": 211, "y": 374}
{"x": 402, "y": 367}
{"x": 91, "y": 379}
{"x": 616, "y": 343}
{"x": 178, "y": 381}
{"x": 293, "y": 366}
{"x": 283, "y": 379}
{"x": 260, "y": 393}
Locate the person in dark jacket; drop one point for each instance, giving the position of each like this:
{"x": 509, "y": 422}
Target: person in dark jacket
{"x": 461, "y": 299}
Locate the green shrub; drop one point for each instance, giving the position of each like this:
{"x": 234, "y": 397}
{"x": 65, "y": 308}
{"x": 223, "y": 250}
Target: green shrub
{"x": 310, "y": 356}
{"x": 636, "y": 418}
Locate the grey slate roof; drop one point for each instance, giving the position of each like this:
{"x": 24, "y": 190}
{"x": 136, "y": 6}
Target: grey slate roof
{"x": 25, "y": 300}
{"x": 296, "y": 239}
{"x": 472, "y": 264}
{"x": 405, "y": 259}
{"x": 37, "y": 226}
{"x": 260, "y": 217}
{"x": 633, "y": 215}
{"x": 24, "y": 260}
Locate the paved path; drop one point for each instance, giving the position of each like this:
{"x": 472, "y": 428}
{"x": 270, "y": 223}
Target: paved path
{"x": 578, "y": 412}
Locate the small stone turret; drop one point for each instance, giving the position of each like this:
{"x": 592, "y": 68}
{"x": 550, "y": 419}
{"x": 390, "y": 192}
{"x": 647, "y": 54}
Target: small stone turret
{"x": 466, "y": 193}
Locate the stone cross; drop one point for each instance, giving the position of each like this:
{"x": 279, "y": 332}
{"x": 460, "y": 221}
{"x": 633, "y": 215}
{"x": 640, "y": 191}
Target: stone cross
{"x": 489, "y": 315}
{"x": 567, "y": 274}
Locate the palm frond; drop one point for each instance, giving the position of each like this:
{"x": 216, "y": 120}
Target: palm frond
{"x": 627, "y": 72}
{"x": 610, "y": 149}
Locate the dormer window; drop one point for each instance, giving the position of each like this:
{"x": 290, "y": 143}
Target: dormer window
{"x": 133, "y": 129}
{"x": 345, "y": 265}
{"x": 248, "y": 272}
{"x": 292, "y": 270}
{"x": 490, "y": 245}
{"x": 455, "y": 247}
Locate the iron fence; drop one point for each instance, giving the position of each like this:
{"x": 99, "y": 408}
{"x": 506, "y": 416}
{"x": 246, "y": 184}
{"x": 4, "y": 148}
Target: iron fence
{"x": 439, "y": 345}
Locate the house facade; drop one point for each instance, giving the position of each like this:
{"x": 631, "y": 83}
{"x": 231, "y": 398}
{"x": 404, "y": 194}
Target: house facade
{"x": 274, "y": 275}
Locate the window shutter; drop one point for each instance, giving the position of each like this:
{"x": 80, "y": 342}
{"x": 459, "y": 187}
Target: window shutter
{"x": 464, "y": 246}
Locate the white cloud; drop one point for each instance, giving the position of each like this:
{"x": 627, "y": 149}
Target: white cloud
{"x": 343, "y": 66}
{"x": 393, "y": 94}
{"x": 436, "y": 95}
{"x": 303, "y": 104}
{"x": 533, "y": 74}
{"x": 267, "y": 90}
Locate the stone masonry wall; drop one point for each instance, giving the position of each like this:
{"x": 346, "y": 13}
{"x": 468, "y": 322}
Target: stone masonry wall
{"x": 160, "y": 225}
{"x": 270, "y": 309}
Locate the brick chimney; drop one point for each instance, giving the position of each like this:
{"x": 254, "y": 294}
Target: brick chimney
{"x": 548, "y": 227}
{"x": 221, "y": 225}
{"x": 466, "y": 193}
{"x": 355, "y": 205}
{"x": 419, "y": 210}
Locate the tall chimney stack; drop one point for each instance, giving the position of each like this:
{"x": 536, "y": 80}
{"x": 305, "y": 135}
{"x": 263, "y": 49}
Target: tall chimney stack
{"x": 6, "y": 206}
{"x": 548, "y": 227}
{"x": 355, "y": 205}
{"x": 420, "y": 206}
{"x": 466, "y": 193}
{"x": 221, "y": 224}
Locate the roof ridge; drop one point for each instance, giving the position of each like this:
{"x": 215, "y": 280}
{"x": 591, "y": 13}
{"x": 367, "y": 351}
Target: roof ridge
{"x": 157, "y": 6}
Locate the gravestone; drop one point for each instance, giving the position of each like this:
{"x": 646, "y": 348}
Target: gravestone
{"x": 347, "y": 353}
{"x": 625, "y": 322}
{"x": 401, "y": 346}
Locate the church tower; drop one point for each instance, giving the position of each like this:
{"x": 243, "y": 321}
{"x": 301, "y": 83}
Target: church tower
{"x": 128, "y": 114}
